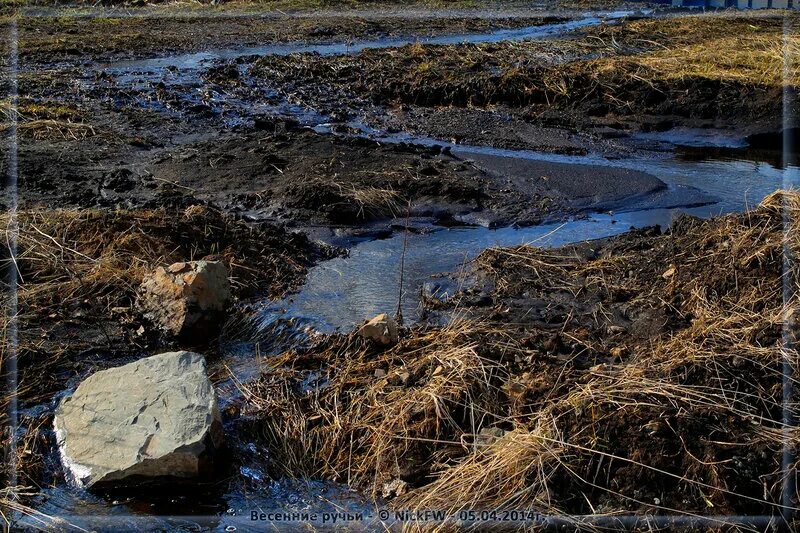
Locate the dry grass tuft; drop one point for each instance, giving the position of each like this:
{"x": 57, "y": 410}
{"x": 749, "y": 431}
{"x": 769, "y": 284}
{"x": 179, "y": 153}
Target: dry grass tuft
{"x": 48, "y": 129}
{"x": 695, "y": 66}
{"x": 78, "y": 273}
{"x": 657, "y": 390}
{"x": 68, "y": 255}
{"x": 45, "y": 121}
{"x": 372, "y": 202}
{"x": 366, "y": 425}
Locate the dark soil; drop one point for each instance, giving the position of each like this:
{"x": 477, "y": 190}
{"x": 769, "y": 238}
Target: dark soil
{"x": 594, "y": 78}
{"x": 635, "y": 373}
{"x": 305, "y": 176}
{"x": 280, "y": 172}
{"x": 82, "y": 38}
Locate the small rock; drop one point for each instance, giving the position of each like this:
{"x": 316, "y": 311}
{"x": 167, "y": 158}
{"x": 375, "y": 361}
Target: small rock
{"x": 149, "y": 420}
{"x": 489, "y": 436}
{"x": 186, "y": 299}
{"x": 394, "y": 488}
{"x": 401, "y": 377}
{"x": 380, "y": 373}
{"x": 381, "y": 329}
{"x": 174, "y": 268}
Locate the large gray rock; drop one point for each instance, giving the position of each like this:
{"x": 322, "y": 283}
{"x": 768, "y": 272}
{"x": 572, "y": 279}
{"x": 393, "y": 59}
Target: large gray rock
{"x": 186, "y": 299}
{"x": 154, "y": 418}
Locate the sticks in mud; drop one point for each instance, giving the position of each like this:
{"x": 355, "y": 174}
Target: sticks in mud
{"x": 399, "y": 312}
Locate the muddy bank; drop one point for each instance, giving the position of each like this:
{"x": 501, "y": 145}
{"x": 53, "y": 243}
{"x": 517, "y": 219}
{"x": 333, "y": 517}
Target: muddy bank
{"x": 305, "y": 176}
{"x": 585, "y": 186}
{"x": 687, "y": 71}
{"x": 639, "y": 373}
{"x": 78, "y": 276}
{"x": 491, "y": 127}
{"x": 287, "y": 174}
{"x": 98, "y": 36}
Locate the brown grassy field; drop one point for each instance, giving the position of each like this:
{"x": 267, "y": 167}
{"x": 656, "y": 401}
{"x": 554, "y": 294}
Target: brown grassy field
{"x": 676, "y": 411}
{"x": 719, "y": 66}
{"x": 78, "y": 273}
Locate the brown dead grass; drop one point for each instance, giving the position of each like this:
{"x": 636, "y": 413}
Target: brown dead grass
{"x": 78, "y": 273}
{"x": 737, "y": 47}
{"x": 710, "y": 66}
{"x": 65, "y": 255}
{"x": 684, "y": 420}
{"x": 42, "y": 121}
{"x": 728, "y": 63}
{"x": 363, "y": 434}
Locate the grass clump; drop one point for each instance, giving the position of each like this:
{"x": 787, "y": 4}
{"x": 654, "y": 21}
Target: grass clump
{"x": 78, "y": 272}
{"x": 706, "y": 67}
{"x": 639, "y": 374}
{"x": 702, "y": 67}
{"x": 394, "y": 408}
{"x": 69, "y": 255}
{"x": 44, "y": 120}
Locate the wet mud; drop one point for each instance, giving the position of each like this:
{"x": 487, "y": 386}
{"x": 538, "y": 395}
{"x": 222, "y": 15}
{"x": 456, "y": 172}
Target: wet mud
{"x": 149, "y": 139}
{"x": 52, "y": 37}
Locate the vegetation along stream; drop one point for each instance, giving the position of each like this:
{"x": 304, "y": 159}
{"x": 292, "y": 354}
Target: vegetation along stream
{"x": 544, "y": 199}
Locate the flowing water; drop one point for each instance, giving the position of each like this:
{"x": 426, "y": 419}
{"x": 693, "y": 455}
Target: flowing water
{"x": 194, "y": 62}
{"x": 183, "y": 72}
{"x": 342, "y": 292}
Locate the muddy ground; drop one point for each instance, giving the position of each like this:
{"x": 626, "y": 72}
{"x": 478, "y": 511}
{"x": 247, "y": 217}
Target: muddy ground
{"x": 123, "y": 171}
{"x": 604, "y": 82}
{"x": 638, "y": 373}
{"x": 93, "y": 138}
{"x": 299, "y": 177}
{"x": 97, "y": 137}
{"x": 83, "y": 38}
